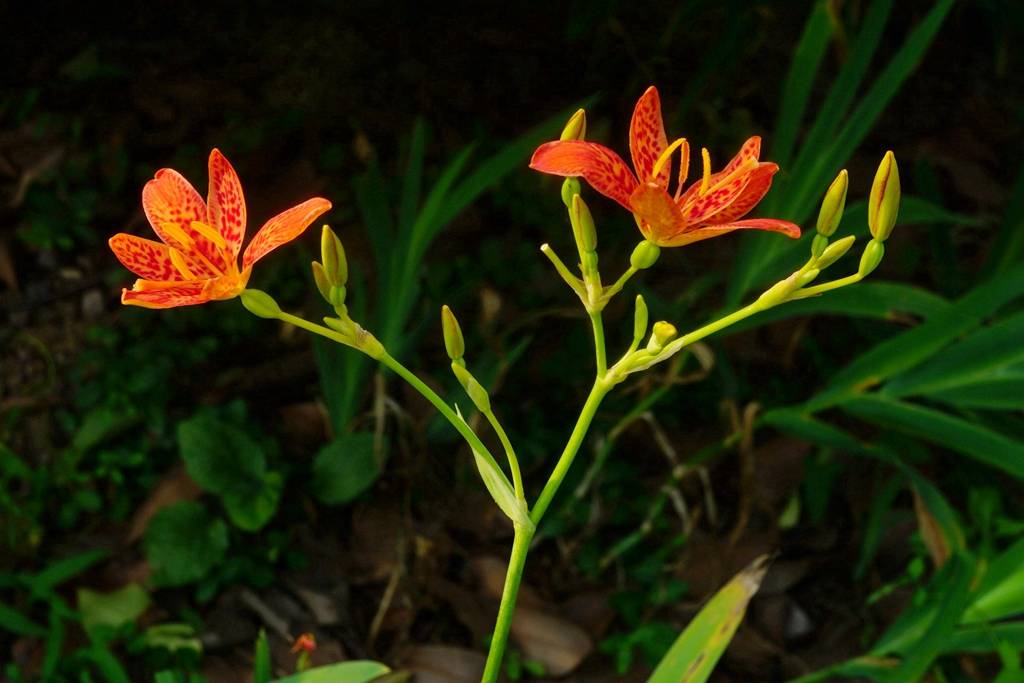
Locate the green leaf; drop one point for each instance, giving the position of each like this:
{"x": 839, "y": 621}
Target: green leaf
{"x": 343, "y": 672}
{"x": 975, "y": 358}
{"x": 65, "y": 569}
{"x": 261, "y": 659}
{"x": 980, "y": 443}
{"x": 910, "y": 348}
{"x": 693, "y": 656}
{"x": 225, "y": 461}
{"x": 345, "y": 468}
{"x": 1001, "y": 591}
{"x": 112, "y": 609}
{"x": 499, "y": 487}
{"x": 15, "y": 622}
{"x": 107, "y": 664}
{"x": 183, "y": 543}
{"x": 997, "y": 393}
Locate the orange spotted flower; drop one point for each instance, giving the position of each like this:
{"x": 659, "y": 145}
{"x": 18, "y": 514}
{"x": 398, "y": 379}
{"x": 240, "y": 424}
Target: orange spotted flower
{"x": 708, "y": 208}
{"x": 197, "y": 258}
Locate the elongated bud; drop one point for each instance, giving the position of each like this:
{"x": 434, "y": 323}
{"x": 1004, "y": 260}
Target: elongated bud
{"x": 884, "y": 202}
{"x": 807, "y": 277}
{"x": 662, "y": 333}
{"x": 323, "y": 283}
{"x": 477, "y": 394}
{"x": 570, "y": 188}
{"x": 645, "y": 255}
{"x": 832, "y": 205}
{"x": 341, "y": 325}
{"x": 453, "y": 342}
{"x": 576, "y": 128}
{"x": 583, "y": 225}
{"x": 871, "y": 257}
{"x": 778, "y": 293}
{"x": 337, "y": 296}
{"x": 333, "y": 254}
{"x": 260, "y": 304}
{"x": 834, "y": 252}
{"x": 818, "y": 245}
{"x": 639, "y": 319}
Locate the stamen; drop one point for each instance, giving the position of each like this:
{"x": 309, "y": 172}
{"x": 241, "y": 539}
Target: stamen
{"x": 746, "y": 167}
{"x": 684, "y": 168}
{"x": 178, "y": 234}
{"x": 210, "y": 234}
{"x": 180, "y": 265}
{"x": 663, "y": 159}
{"x": 707, "y": 171}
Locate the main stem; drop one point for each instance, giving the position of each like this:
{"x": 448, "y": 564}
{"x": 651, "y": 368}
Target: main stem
{"x": 514, "y": 577}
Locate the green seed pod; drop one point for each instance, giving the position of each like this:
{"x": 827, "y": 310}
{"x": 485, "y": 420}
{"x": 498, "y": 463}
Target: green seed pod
{"x": 260, "y": 304}
{"x": 583, "y": 225}
{"x": 834, "y": 252}
{"x": 884, "y": 202}
{"x": 645, "y": 255}
{"x": 871, "y": 257}
{"x": 832, "y": 205}
{"x": 453, "y": 341}
{"x": 639, "y": 319}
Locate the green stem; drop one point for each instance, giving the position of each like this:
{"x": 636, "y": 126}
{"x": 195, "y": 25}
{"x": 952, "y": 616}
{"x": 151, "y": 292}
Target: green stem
{"x": 514, "y": 576}
{"x": 598, "y": 325}
{"x": 721, "y": 323}
{"x": 597, "y": 394}
{"x": 614, "y": 289}
{"x": 513, "y": 461}
{"x": 826, "y": 287}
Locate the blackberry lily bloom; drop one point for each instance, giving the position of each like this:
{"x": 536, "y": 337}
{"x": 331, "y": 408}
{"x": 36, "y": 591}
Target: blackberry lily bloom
{"x": 197, "y": 258}
{"x": 708, "y": 208}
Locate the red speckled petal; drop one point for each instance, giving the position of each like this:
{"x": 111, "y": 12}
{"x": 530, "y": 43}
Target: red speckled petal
{"x": 751, "y": 149}
{"x": 148, "y": 294}
{"x": 169, "y": 198}
{"x": 283, "y": 228}
{"x": 758, "y": 182}
{"x": 145, "y": 258}
{"x": 647, "y": 138}
{"x": 226, "y": 204}
{"x": 601, "y": 167}
{"x": 657, "y": 215}
{"x": 709, "y": 231}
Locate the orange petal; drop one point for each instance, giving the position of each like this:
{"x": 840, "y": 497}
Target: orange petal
{"x": 709, "y": 231}
{"x": 647, "y": 138}
{"x": 657, "y": 215}
{"x": 169, "y": 198}
{"x": 226, "y": 204}
{"x": 149, "y": 294}
{"x": 757, "y": 185}
{"x": 145, "y": 258}
{"x": 284, "y": 227}
{"x": 601, "y": 167}
{"x": 751, "y": 149}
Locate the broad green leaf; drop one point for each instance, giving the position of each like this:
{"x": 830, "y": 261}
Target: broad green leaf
{"x": 183, "y": 543}
{"x": 345, "y": 468}
{"x": 986, "y": 637}
{"x": 910, "y": 348}
{"x": 997, "y": 393}
{"x": 227, "y": 462}
{"x": 113, "y": 609}
{"x": 974, "y": 359}
{"x": 101, "y": 424}
{"x": 1001, "y": 591}
{"x": 980, "y": 443}
{"x": 343, "y": 672}
{"x": 693, "y": 656}
{"x": 15, "y": 622}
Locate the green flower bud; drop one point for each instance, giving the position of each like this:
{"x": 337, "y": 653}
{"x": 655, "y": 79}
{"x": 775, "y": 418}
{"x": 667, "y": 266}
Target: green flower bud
{"x": 333, "y": 255}
{"x": 582, "y": 225}
{"x": 884, "y": 202}
{"x": 777, "y": 293}
{"x": 260, "y": 303}
{"x": 662, "y": 333}
{"x": 576, "y": 128}
{"x": 832, "y": 205}
{"x": 342, "y": 325}
{"x": 570, "y": 188}
{"x": 818, "y": 245}
{"x": 807, "y": 277}
{"x": 834, "y": 252}
{"x": 323, "y": 283}
{"x": 453, "y": 341}
{"x": 336, "y": 296}
{"x": 871, "y": 257}
{"x": 639, "y": 319}
{"x": 477, "y": 394}
{"x": 645, "y": 255}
